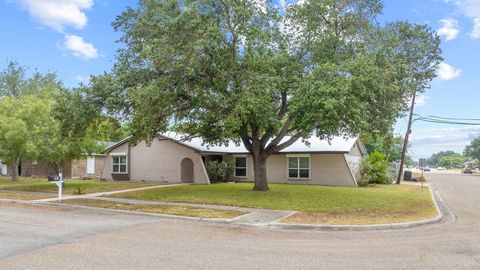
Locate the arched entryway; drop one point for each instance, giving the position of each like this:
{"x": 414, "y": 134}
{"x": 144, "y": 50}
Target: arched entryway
{"x": 187, "y": 170}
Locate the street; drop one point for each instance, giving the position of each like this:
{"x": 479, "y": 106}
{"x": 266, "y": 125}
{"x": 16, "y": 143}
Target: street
{"x": 39, "y": 237}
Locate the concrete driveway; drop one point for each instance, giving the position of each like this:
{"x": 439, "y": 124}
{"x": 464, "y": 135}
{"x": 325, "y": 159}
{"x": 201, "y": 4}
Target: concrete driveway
{"x": 81, "y": 239}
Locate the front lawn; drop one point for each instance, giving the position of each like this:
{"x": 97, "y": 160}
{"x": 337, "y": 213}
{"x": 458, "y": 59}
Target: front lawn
{"x": 317, "y": 204}
{"x": 31, "y": 184}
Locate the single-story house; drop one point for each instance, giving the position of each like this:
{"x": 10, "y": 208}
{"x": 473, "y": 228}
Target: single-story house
{"x": 171, "y": 159}
{"x": 88, "y": 167}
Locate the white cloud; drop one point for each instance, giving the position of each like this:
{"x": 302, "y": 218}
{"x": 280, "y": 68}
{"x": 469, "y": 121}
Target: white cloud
{"x": 449, "y": 29}
{"x": 420, "y": 100}
{"x": 446, "y": 72}
{"x": 82, "y": 79}
{"x": 470, "y": 9}
{"x": 79, "y": 48}
{"x": 476, "y": 29}
{"x": 57, "y": 14}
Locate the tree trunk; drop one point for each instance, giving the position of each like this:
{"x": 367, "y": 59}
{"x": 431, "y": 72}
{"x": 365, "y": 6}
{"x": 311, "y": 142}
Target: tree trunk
{"x": 260, "y": 171}
{"x": 407, "y": 135}
{"x": 15, "y": 165}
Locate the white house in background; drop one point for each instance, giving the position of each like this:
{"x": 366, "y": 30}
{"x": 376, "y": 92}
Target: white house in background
{"x": 171, "y": 159}
{"x": 3, "y": 169}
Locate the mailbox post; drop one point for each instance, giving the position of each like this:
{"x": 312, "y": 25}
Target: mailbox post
{"x": 59, "y": 183}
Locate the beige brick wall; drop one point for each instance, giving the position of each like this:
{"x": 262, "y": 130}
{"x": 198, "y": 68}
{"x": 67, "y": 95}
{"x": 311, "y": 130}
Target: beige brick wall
{"x": 42, "y": 169}
{"x": 79, "y": 168}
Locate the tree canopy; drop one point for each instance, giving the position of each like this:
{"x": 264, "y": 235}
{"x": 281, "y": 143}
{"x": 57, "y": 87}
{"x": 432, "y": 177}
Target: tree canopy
{"x": 450, "y": 160}
{"x": 249, "y": 72}
{"x": 434, "y": 159}
{"x": 473, "y": 149}
{"x": 41, "y": 120}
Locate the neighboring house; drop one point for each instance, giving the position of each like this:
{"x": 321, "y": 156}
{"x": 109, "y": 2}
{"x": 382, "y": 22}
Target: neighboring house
{"x": 170, "y": 159}
{"x": 3, "y": 168}
{"x": 88, "y": 167}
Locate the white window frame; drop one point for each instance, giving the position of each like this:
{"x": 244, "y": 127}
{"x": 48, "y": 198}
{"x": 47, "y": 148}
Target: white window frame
{"x": 235, "y": 166}
{"x": 298, "y": 156}
{"x": 126, "y": 164}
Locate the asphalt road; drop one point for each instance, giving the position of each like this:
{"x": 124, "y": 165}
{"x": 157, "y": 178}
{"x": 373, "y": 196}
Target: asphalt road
{"x": 32, "y": 238}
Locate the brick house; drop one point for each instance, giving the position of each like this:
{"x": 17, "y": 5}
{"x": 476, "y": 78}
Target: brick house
{"x": 88, "y": 167}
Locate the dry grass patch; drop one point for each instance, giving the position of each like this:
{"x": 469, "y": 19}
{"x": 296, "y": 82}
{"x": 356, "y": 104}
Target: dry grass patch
{"x": 361, "y": 217}
{"x": 27, "y": 196}
{"x": 158, "y": 209}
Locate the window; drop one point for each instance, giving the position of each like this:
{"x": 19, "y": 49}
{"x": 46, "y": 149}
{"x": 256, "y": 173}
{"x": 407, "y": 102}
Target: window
{"x": 240, "y": 167}
{"x": 119, "y": 164}
{"x": 299, "y": 167}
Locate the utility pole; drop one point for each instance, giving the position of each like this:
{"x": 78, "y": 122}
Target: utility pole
{"x": 405, "y": 142}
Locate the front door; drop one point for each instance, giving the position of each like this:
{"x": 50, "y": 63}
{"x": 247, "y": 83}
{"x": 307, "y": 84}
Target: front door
{"x": 187, "y": 171}
{"x": 90, "y": 165}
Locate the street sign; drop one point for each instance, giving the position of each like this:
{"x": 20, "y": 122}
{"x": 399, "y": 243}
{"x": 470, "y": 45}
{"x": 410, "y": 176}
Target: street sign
{"x": 422, "y": 162}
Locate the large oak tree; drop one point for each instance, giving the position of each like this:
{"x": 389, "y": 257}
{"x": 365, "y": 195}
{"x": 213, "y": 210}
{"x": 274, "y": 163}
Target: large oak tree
{"x": 249, "y": 71}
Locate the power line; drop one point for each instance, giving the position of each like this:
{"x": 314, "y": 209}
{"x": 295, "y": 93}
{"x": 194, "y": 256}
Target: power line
{"x": 449, "y": 118}
{"x": 439, "y": 121}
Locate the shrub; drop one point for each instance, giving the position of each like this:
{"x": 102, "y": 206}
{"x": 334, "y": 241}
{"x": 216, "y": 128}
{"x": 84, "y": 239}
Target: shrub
{"x": 219, "y": 171}
{"x": 374, "y": 170}
{"x": 79, "y": 189}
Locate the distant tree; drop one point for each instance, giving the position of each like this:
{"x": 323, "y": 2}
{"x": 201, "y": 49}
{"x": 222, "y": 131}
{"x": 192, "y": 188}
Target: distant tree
{"x": 26, "y": 128}
{"x": 434, "y": 159}
{"x": 473, "y": 149}
{"x": 390, "y": 145}
{"x": 14, "y": 82}
{"x": 450, "y": 160}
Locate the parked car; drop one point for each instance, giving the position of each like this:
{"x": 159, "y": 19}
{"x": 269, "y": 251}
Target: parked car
{"x": 467, "y": 171}
{"x": 440, "y": 168}
{"x": 425, "y": 169}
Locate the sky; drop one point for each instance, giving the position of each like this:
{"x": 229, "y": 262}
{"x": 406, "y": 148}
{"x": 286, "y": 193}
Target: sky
{"x": 75, "y": 39}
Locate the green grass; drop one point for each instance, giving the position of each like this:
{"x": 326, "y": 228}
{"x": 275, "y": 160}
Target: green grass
{"x": 91, "y": 186}
{"x": 387, "y": 202}
{"x": 158, "y": 209}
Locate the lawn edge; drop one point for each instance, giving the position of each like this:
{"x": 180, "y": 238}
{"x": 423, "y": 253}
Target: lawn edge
{"x": 443, "y": 211}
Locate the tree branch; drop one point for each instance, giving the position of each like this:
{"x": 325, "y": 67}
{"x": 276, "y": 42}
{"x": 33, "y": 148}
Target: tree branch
{"x": 284, "y": 145}
{"x": 283, "y": 132}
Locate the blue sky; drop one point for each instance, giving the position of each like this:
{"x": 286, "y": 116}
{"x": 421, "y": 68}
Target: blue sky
{"x": 74, "y": 38}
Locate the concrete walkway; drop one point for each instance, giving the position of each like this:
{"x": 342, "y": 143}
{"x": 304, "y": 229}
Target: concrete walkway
{"x": 106, "y": 193}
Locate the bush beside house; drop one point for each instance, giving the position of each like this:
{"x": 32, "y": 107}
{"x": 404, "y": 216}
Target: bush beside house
{"x": 219, "y": 171}
{"x": 374, "y": 170}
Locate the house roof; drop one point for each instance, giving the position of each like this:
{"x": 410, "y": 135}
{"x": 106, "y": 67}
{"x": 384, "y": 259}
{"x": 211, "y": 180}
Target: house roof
{"x": 335, "y": 145}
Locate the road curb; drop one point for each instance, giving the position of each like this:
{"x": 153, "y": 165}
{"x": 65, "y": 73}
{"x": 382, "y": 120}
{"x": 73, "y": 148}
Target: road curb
{"x": 165, "y": 216}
